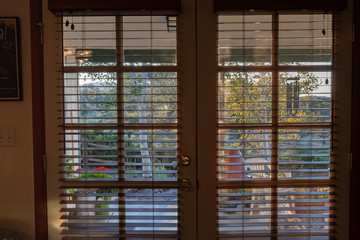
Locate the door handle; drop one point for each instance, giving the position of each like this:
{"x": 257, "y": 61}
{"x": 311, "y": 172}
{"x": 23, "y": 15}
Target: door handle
{"x": 185, "y": 160}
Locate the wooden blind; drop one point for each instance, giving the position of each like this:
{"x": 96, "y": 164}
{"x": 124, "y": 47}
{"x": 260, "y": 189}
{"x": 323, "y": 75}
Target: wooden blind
{"x": 275, "y": 118}
{"x": 120, "y": 121}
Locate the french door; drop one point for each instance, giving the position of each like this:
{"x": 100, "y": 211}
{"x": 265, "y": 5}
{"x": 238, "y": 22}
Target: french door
{"x": 128, "y": 126}
{"x": 193, "y": 125}
{"x": 270, "y": 102}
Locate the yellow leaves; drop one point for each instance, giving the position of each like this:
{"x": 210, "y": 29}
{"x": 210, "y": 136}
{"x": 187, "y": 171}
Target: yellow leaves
{"x": 289, "y": 135}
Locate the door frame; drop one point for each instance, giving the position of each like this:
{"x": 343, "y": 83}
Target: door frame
{"x": 203, "y": 155}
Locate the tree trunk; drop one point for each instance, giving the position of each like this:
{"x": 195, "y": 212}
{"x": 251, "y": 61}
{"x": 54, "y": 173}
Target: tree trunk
{"x": 145, "y": 155}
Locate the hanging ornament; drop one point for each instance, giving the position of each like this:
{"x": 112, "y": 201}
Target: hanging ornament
{"x": 326, "y": 81}
{"x": 72, "y": 23}
{"x": 67, "y": 22}
{"x": 323, "y": 32}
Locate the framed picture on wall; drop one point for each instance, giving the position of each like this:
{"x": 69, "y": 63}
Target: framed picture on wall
{"x": 10, "y": 69}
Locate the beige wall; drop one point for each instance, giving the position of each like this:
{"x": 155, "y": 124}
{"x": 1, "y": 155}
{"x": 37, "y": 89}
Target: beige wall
{"x": 16, "y": 163}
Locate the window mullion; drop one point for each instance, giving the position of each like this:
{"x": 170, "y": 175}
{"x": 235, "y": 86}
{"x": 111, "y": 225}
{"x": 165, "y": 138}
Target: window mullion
{"x": 120, "y": 122}
{"x": 275, "y": 124}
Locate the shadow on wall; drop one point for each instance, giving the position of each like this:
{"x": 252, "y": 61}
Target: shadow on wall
{"x": 18, "y": 226}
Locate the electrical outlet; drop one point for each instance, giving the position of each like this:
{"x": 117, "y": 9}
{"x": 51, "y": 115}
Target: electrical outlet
{"x": 7, "y": 136}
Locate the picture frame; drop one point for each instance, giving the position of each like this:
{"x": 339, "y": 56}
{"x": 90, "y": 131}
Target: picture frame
{"x": 10, "y": 60}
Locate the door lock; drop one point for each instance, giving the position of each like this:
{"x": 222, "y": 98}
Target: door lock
{"x": 185, "y": 160}
{"x": 185, "y": 184}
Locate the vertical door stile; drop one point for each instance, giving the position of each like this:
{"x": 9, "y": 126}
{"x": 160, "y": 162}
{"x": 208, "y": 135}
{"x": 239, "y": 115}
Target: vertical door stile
{"x": 186, "y": 65}
{"x": 206, "y": 119}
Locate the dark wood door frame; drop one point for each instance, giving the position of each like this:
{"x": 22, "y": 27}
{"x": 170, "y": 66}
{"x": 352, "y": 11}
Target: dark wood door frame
{"x": 355, "y": 128}
{"x": 37, "y": 76}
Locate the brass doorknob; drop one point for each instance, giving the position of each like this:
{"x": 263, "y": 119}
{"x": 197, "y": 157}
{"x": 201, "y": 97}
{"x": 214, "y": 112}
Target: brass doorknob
{"x": 185, "y": 160}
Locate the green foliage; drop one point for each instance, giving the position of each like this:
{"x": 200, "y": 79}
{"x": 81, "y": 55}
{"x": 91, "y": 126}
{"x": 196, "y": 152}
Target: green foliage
{"x": 321, "y": 190}
{"x": 247, "y": 97}
{"x": 145, "y": 97}
{"x": 140, "y": 91}
{"x": 320, "y": 193}
{"x": 98, "y": 97}
{"x": 102, "y": 198}
{"x": 94, "y": 175}
{"x": 236, "y": 194}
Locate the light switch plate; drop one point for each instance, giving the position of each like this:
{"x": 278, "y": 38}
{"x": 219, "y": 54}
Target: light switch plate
{"x": 7, "y": 136}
